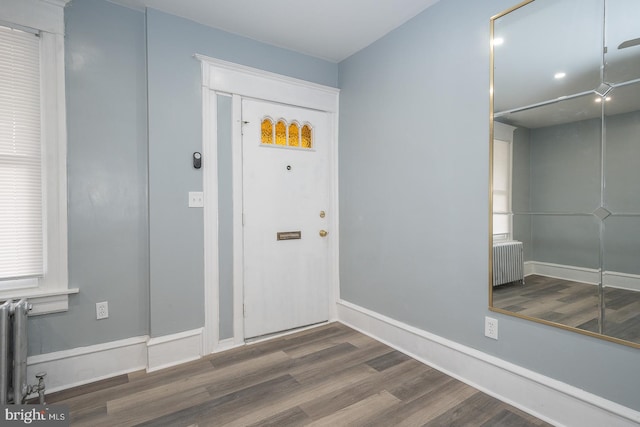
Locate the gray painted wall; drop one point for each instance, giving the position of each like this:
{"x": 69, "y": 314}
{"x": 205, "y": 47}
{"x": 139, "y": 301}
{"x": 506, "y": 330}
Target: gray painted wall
{"x": 175, "y": 132}
{"x": 622, "y": 195}
{"x": 565, "y": 177}
{"x": 107, "y": 180}
{"x": 414, "y": 190}
{"x": 565, "y": 167}
{"x": 621, "y": 162}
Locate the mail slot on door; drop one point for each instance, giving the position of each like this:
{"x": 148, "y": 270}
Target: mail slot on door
{"x": 289, "y": 235}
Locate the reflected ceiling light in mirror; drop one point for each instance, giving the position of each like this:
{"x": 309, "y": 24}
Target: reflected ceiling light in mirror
{"x": 559, "y": 75}
{"x": 599, "y": 99}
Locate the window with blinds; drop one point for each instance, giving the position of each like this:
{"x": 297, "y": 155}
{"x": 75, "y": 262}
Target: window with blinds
{"x": 21, "y": 216}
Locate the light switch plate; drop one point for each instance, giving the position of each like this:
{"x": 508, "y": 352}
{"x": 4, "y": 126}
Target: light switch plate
{"x": 196, "y": 199}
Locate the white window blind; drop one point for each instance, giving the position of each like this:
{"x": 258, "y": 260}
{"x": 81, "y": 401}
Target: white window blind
{"x": 21, "y": 233}
{"x": 501, "y": 188}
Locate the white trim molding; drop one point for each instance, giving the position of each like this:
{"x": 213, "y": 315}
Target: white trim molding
{"x": 171, "y": 350}
{"x": 548, "y": 399}
{"x": 614, "y": 279}
{"x": 238, "y": 220}
{"x": 611, "y": 279}
{"x": 47, "y": 16}
{"x": 565, "y": 272}
{"x": 83, "y": 365}
{"x": 503, "y": 131}
{"x": 236, "y": 79}
{"x": 211, "y": 246}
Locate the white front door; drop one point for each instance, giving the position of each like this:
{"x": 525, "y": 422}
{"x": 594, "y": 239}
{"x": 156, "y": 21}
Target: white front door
{"x": 285, "y": 215}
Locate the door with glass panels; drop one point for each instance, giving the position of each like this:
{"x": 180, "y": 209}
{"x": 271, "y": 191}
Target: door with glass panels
{"x": 285, "y": 217}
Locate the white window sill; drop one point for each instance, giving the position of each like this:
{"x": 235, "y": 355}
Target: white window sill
{"x": 43, "y": 301}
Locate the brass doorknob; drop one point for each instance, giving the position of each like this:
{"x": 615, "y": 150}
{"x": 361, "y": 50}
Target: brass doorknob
{"x": 323, "y": 233}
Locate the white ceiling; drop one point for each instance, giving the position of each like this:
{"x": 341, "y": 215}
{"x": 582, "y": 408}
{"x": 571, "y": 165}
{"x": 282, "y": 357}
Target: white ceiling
{"x": 327, "y": 29}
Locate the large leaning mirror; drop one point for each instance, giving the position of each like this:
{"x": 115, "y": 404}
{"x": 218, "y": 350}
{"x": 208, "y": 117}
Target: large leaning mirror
{"x": 565, "y": 166}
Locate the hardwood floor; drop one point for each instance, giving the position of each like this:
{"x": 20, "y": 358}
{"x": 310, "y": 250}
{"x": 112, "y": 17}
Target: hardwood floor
{"x": 573, "y": 304}
{"x": 326, "y": 376}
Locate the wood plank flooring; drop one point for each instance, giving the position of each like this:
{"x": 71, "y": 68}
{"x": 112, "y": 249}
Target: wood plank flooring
{"x": 327, "y": 376}
{"x": 573, "y": 304}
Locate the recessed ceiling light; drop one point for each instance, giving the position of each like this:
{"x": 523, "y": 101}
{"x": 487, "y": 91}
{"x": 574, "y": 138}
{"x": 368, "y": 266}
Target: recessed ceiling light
{"x": 559, "y": 75}
{"x": 498, "y": 41}
{"x": 608, "y": 98}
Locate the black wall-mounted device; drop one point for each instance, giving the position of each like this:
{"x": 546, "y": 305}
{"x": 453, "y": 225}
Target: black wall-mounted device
{"x": 197, "y": 160}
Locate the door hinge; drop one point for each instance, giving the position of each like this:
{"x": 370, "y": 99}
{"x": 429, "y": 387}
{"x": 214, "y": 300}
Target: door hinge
{"x": 243, "y": 219}
{"x": 244, "y": 311}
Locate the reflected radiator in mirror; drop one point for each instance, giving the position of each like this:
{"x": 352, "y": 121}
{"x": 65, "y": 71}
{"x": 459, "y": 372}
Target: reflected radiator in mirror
{"x": 508, "y": 262}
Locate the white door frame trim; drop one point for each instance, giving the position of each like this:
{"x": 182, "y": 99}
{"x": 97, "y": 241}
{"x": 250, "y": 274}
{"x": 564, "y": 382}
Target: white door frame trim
{"x": 241, "y": 81}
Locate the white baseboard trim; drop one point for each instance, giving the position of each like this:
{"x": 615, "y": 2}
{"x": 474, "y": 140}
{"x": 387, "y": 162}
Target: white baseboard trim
{"x": 612, "y": 279}
{"x": 528, "y": 268}
{"x": 565, "y": 272}
{"x": 548, "y": 399}
{"x": 83, "y": 365}
{"x": 171, "y": 350}
{"x": 630, "y": 282}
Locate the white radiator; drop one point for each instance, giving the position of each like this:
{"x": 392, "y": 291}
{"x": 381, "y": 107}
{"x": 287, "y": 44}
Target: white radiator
{"x": 508, "y": 262}
{"x": 13, "y": 352}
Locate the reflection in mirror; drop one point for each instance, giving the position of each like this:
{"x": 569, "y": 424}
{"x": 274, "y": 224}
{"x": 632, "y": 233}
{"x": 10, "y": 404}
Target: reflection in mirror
{"x": 556, "y": 166}
{"x": 566, "y": 166}
{"x": 560, "y": 258}
{"x": 622, "y": 149}
{"x": 546, "y": 50}
{"x": 621, "y": 271}
{"x": 622, "y": 36}
{"x": 621, "y": 266}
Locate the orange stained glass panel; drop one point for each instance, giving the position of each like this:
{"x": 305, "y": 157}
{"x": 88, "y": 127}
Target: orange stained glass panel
{"x": 267, "y": 131}
{"x": 294, "y": 135}
{"x": 307, "y": 136}
{"x": 281, "y": 133}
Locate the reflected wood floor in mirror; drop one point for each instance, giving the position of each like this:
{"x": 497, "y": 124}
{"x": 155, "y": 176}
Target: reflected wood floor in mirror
{"x": 573, "y": 304}
{"x": 326, "y": 376}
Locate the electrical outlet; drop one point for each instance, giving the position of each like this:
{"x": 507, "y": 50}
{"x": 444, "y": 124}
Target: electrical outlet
{"x": 102, "y": 310}
{"x": 491, "y": 327}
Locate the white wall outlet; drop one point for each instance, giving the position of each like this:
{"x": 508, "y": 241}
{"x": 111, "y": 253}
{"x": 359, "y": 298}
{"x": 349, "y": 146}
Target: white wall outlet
{"x": 491, "y": 327}
{"x": 102, "y": 310}
{"x": 196, "y": 199}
